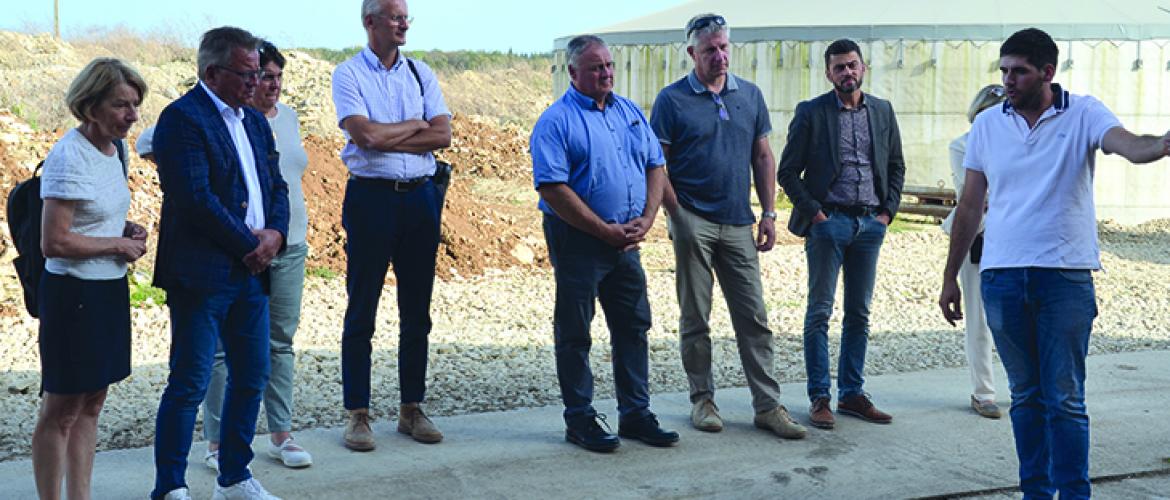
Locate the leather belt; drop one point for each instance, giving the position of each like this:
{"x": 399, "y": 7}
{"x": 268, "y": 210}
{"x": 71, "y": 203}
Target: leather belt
{"x": 853, "y": 210}
{"x": 398, "y": 185}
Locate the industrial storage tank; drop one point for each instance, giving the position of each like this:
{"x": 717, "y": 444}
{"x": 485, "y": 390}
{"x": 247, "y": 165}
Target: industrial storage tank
{"x": 928, "y": 58}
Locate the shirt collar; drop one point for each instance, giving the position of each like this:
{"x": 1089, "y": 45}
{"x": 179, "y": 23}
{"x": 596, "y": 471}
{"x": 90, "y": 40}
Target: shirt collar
{"x": 698, "y": 87}
{"x": 371, "y": 59}
{"x": 585, "y": 101}
{"x": 1059, "y": 101}
{"x": 841, "y": 104}
{"x": 221, "y": 106}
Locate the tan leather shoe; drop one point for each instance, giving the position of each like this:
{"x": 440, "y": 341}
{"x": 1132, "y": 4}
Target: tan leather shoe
{"x": 820, "y": 415}
{"x": 780, "y": 422}
{"x": 358, "y": 434}
{"x": 705, "y": 416}
{"x": 412, "y": 421}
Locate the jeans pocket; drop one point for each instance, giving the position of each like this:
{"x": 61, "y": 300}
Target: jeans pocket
{"x": 987, "y": 276}
{"x": 1076, "y": 275}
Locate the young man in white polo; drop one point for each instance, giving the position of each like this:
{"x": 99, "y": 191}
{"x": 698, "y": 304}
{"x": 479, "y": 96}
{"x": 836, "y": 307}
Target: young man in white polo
{"x": 1034, "y": 157}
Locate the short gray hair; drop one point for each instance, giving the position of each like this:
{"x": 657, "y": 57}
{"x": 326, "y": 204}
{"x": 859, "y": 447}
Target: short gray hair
{"x": 370, "y": 8}
{"x": 580, "y": 44}
{"x": 693, "y": 38}
{"x": 215, "y": 49}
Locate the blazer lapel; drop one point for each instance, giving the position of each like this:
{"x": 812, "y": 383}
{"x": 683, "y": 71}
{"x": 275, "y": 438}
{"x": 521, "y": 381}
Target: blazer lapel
{"x": 219, "y": 128}
{"x": 833, "y": 132}
{"x": 259, "y": 156}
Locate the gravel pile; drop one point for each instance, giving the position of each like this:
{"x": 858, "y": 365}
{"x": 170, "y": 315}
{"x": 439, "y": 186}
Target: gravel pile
{"x": 492, "y": 349}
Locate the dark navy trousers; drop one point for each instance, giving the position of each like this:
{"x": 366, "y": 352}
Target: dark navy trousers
{"x": 588, "y": 270}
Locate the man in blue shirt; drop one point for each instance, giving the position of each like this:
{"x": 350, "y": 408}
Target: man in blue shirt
{"x": 392, "y": 112}
{"x": 714, "y": 128}
{"x": 597, "y": 167}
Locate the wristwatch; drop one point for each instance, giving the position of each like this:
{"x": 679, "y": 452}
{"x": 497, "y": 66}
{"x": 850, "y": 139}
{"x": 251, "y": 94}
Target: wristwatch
{"x": 768, "y": 214}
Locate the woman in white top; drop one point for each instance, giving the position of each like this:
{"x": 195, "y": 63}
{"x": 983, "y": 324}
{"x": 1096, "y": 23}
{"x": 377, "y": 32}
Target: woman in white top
{"x": 84, "y": 298}
{"x": 287, "y": 278}
{"x": 978, "y": 336}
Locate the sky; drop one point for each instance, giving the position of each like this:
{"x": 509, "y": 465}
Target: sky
{"x": 524, "y": 26}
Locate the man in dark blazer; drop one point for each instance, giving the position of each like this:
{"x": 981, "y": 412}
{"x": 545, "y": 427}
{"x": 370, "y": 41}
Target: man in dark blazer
{"x": 843, "y": 170}
{"x": 224, "y": 218}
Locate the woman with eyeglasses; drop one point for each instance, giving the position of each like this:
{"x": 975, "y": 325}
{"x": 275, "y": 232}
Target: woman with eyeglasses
{"x": 979, "y": 342}
{"x": 287, "y": 275}
{"x": 84, "y": 298}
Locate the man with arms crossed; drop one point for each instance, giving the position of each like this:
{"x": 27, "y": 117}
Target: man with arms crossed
{"x": 843, "y": 170}
{"x": 598, "y": 169}
{"x": 714, "y": 127}
{"x": 393, "y": 115}
{"x": 1035, "y": 156}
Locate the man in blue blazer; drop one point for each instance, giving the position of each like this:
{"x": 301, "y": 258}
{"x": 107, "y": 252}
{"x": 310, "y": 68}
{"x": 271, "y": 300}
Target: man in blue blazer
{"x": 843, "y": 170}
{"x": 224, "y": 218}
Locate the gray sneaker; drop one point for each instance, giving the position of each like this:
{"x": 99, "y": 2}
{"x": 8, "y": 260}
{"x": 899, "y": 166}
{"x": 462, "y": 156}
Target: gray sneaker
{"x": 705, "y": 416}
{"x": 781, "y": 423}
{"x": 985, "y": 407}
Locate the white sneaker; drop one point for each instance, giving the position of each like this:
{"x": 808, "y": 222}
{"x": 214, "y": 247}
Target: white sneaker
{"x": 211, "y": 460}
{"x": 178, "y": 494}
{"x": 290, "y": 454}
{"x": 249, "y": 489}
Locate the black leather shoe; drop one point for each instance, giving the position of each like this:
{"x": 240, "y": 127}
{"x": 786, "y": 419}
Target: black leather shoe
{"x": 584, "y": 431}
{"x": 646, "y": 430}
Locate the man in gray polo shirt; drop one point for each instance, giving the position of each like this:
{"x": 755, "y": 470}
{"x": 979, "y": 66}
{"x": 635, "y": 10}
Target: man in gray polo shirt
{"x": 713, "y": 127}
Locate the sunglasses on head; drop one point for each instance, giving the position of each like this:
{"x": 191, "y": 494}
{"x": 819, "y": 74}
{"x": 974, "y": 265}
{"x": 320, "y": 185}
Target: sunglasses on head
{"x": 703, "y": 22}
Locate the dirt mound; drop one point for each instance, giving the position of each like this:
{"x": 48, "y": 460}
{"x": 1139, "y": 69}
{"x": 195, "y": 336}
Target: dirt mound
{"x": 477, "y": 234}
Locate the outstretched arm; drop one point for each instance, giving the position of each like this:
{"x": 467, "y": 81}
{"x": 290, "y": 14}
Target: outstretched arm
{"x": 1136, "y": 148}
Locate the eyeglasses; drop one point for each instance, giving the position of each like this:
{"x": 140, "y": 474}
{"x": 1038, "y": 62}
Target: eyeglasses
{"x": 246, "y": 75}
{"x": 722, "y": 107}
{"x": 398, "y": 19}
{"x": 272, "y": 77}
{"x": 996, "y": 91}
{"x": 703, "y": 22}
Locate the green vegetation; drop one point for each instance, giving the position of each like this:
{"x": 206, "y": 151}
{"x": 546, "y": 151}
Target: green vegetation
{"x": 142, "y": 294}
{"x": 321, "y": 272}
{"x": 448, "y": 61}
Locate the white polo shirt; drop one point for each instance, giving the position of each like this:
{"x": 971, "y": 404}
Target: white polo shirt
{"x": 1040, "y": 182}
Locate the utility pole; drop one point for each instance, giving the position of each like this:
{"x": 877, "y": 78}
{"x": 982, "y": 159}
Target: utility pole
{"x": 57, "y": 19}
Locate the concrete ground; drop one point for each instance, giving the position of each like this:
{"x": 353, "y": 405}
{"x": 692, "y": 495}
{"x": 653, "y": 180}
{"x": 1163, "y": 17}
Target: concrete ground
{"x": 935, "y": 448}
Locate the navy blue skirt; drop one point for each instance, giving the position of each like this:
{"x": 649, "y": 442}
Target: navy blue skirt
{"x": 85, "y": 333}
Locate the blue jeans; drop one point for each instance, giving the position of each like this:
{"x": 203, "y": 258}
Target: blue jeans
{"x": 286, "y": 277}
{"x": 385, "y": 226}
{"x": 1041, "y": 320}
{"x": 587, "y": 270}
{"x": 235, "y": 314}
{"x": 849, "y": 244}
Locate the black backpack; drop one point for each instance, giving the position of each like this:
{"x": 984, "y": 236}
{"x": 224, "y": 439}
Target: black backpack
{"x": 24, "y": 210}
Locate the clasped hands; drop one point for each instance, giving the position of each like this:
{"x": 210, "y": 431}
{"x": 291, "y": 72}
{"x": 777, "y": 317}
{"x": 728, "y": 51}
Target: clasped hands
{"x": 630, "y": 235}
{"x": 259, "y": 258}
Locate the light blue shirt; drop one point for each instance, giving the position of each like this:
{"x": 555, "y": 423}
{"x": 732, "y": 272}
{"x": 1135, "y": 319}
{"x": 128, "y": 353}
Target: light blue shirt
{"x": 362, "y": 86}
{"x": 601, "y": 155}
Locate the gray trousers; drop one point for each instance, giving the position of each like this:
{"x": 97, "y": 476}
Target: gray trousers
{"x": 704, "y": 250}
{"x": 287, "y": 275}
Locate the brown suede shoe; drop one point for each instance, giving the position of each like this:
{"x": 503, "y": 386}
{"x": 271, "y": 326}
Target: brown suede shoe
{"x": 859, "y": 405}
{"x": 358, "y": 435}
{"x": 412, "y": 421}
{"x": 819, "y": 414}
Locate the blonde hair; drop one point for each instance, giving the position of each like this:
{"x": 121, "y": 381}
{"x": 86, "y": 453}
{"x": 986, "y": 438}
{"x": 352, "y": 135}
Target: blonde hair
{"x": 986, "y": 97}
{"x": 95, "y": 83}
